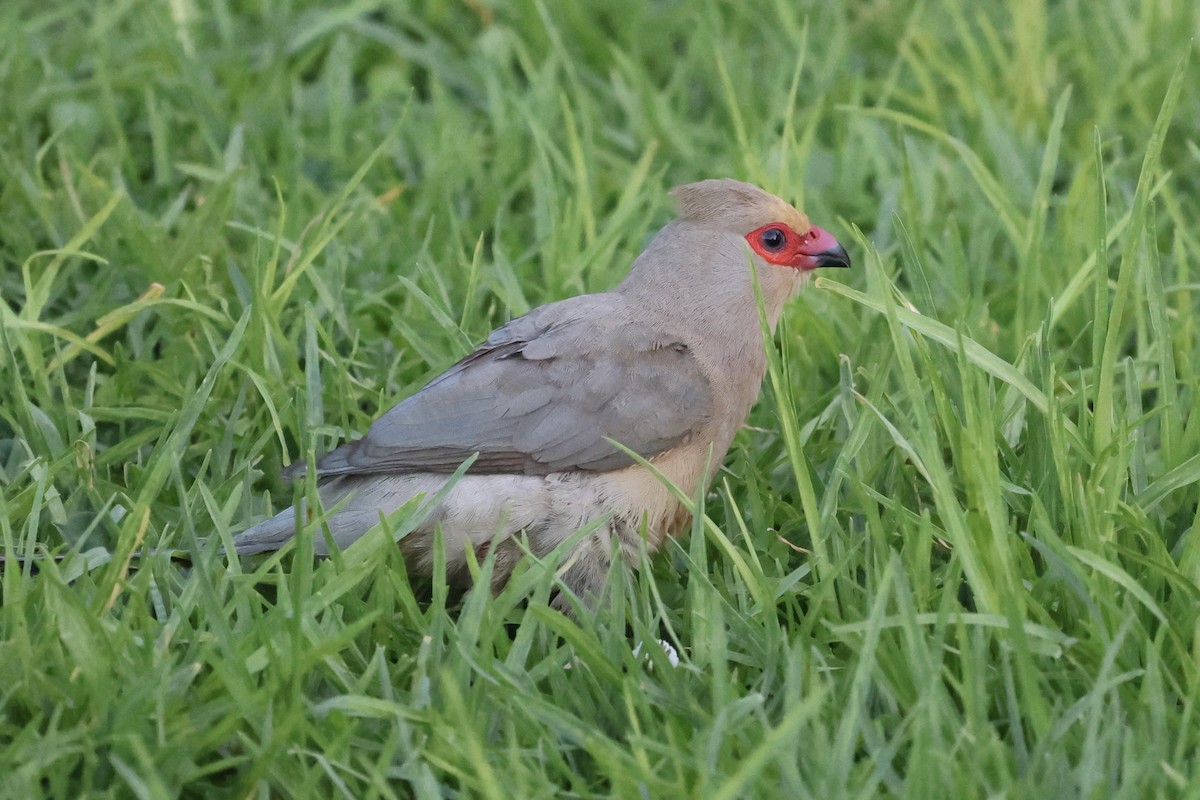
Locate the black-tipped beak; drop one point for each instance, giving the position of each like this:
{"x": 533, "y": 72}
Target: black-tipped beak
{"x": 818, "y": 248}
{"x": 833, "y": 257}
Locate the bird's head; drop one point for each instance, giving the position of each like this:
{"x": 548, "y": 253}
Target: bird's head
{"x": 700, "y": 260}
{"x": 775, "y": 231}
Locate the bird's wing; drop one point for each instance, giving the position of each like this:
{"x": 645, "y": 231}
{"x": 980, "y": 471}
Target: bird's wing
{"x": 540, "y": 396}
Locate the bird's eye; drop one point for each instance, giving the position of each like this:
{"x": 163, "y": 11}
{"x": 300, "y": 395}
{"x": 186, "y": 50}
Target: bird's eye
{"x": 773, "y": 239}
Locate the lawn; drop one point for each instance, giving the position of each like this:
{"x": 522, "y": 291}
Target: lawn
{"x": 955, "y": 553}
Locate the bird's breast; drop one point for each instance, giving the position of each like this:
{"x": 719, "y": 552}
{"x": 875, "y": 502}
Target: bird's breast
{"x": 639, "y": 495}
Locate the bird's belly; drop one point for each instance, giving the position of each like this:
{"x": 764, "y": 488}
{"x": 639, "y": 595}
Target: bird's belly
{"x": 476, "y": 511}
{"x": 480, "y": 511}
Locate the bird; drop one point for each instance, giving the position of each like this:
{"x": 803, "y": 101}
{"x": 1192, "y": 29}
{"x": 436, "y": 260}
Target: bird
{"x": 667, "y": 364}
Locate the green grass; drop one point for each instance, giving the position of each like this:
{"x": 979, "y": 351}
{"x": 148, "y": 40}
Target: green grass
{"x": 956, "y": 555}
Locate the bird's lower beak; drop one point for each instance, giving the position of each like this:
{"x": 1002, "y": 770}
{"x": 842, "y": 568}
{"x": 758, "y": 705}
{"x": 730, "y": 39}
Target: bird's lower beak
{"x": 820, "y": 249}
{"x": 834, "y": 257}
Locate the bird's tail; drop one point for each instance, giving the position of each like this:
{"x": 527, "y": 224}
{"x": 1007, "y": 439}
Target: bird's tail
{"x": 270, "y": 534}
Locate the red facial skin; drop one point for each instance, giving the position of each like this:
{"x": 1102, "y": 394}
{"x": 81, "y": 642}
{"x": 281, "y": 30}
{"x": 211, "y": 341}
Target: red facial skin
{"x": 800, "y": 250}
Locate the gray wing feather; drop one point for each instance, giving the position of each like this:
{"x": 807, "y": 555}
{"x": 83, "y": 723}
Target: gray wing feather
{"x": 542, "y": 395}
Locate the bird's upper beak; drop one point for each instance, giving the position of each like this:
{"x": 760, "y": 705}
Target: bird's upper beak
{"x": 820, "y": 249}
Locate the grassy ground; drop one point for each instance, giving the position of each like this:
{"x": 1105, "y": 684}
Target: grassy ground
{"x": 956, "y": 555}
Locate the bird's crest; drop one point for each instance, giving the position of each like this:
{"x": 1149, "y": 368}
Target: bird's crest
{"x": 726, "y": 202}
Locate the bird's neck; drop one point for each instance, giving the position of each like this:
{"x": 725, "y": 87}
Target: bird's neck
{"x": 727, "y": 340}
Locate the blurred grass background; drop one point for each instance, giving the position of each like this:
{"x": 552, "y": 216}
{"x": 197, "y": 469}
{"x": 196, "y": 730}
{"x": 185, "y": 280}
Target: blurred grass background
{"x": 956, "y": 554}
